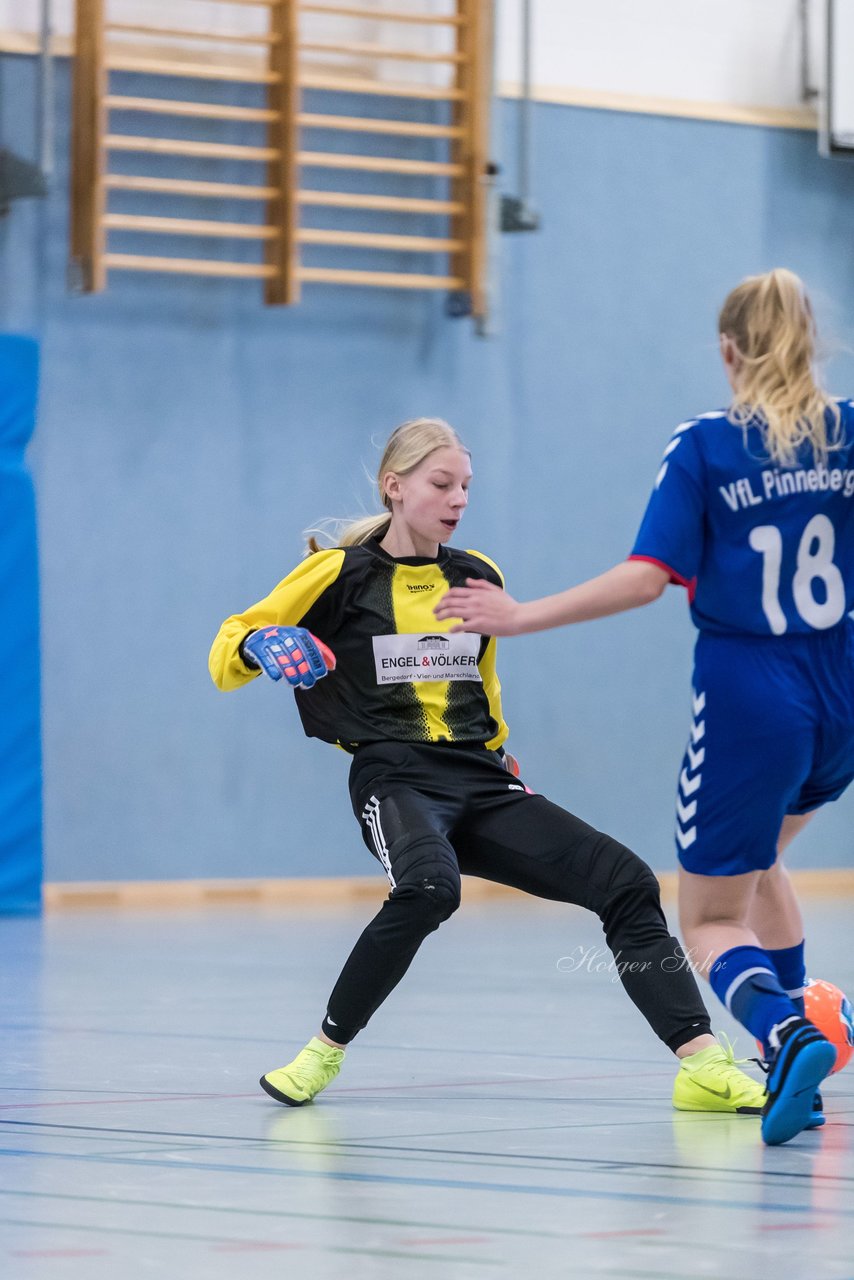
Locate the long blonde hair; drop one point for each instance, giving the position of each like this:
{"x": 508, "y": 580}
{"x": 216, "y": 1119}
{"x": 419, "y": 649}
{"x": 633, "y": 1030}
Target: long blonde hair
{"x": 770, "y": 320}
{"x": 406, "y": 448}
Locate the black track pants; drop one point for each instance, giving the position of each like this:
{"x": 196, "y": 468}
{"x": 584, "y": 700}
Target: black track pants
{"x": 429, "y": 813}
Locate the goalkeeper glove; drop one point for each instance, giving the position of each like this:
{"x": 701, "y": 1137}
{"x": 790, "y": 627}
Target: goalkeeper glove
{"x": 291, "y": 652}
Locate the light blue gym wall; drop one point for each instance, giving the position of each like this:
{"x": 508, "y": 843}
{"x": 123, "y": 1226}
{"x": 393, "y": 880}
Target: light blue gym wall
{"x": 187, "y": 435}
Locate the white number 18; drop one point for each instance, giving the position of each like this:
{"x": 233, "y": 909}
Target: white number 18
{"x": 814, "y": 560}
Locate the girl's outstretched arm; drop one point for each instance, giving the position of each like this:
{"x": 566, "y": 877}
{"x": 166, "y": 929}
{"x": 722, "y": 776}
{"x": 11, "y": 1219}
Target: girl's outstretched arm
{"x": 487, "y": 609}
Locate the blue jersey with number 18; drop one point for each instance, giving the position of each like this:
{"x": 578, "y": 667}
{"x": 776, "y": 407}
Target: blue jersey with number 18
{"x": 763, "y": 549}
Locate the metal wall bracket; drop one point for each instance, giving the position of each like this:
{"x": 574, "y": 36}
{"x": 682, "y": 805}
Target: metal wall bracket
{"x": 517, "y": 214}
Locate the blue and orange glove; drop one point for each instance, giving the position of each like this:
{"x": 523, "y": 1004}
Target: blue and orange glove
{"x": 291, "y": 652}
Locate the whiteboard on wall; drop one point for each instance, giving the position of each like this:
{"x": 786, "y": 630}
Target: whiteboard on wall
{"x": 838, "y": 132}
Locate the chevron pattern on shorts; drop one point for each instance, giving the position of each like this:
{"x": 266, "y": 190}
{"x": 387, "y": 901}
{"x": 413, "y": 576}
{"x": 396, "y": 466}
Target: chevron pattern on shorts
{"x": 690, "y": 776}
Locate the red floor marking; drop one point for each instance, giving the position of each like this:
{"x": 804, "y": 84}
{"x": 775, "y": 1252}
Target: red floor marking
{"x": 60, "y": 1253}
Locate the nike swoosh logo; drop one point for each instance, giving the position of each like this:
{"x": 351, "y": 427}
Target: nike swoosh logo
{"x": 718, "y": 1093}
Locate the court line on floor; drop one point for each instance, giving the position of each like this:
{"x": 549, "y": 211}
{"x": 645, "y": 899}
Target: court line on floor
{"x": 355, "y": 1089}
{"x": 360, "y": 1219}
{"x": 474, "y": 1051}
{"x": 213, "y": 1240}
{"x": 615, "y": 1165}
{"x": 450, "y": 1184}
{"x": 59, "y": 1253}
{"x": 484, "y": 1161}
{"x": 332, "y": 1146}
{"x": 133, "y": 1100}
{"x": 518, "y": 1163}
{"x": 124, "y": 1093}
{"x": 405, "y": 1223}
{"x": 391, "y": 1143}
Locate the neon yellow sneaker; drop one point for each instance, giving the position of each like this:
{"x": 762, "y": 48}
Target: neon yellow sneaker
{"x": 711, "y": 1081}
{"x": 312, "y": 1070}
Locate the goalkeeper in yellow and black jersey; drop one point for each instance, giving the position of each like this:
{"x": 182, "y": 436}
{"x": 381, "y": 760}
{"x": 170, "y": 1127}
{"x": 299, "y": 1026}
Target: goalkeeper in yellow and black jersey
{"x": 418, "y": 706}
{"x": 396, "y": 676}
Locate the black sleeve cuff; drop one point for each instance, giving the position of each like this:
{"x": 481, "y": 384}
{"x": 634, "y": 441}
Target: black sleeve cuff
{"x": 242, "y": 655}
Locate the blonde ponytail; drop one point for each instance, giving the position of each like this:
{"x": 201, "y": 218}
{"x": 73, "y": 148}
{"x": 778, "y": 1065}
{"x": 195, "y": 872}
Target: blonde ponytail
{"x": 770, "y": 320}
{"x": 347, "y": 534}
{"x": 407, "y": 447}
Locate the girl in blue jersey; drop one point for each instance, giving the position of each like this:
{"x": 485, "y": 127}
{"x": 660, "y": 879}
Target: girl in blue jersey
{"x": 753, "y": 512}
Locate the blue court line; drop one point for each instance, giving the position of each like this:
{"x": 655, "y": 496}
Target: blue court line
{"x": 593, "y": 1165}
{"x": 474, "y": 1051}
{"x": 418, "y": 1157}
{"x": 241, "y": 1211}
{"x": 355, "y": 1145}
{"x": 448, "y": 1184}
{"x": 370, "y": 1091}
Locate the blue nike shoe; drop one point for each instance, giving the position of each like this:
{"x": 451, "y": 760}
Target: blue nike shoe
{"x": 802, "y": 1059}
{"x": 817, "y": 1117}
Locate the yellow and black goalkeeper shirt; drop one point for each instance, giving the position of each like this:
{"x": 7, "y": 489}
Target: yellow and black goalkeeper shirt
{"x": 400, "y": 675}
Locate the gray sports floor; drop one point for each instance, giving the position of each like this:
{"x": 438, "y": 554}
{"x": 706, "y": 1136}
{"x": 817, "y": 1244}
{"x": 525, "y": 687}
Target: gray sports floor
{"x": 506, "y": 1114}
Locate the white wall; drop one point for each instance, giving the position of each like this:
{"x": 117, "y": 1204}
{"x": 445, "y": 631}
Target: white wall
{"x": 202, "y": 15}
{"x": 743, "y": 52}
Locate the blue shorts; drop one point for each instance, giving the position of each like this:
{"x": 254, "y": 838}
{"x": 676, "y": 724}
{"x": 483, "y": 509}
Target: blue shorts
{"x": 772, "y": 734}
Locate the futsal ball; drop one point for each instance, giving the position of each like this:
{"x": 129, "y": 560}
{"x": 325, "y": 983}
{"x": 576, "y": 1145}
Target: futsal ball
{"x": 830, "y": 1010}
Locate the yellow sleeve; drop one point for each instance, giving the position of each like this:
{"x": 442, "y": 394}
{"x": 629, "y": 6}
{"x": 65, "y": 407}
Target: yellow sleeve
{"x": 491, "y": 563}
{"x": 285, "y": 606}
